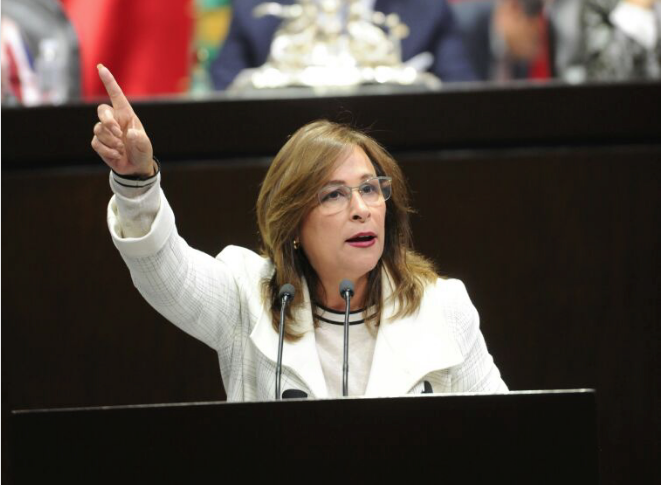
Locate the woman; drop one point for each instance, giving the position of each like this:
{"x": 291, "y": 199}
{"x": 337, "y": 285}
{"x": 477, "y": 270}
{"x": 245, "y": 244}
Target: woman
{"x": 333, "y": 206}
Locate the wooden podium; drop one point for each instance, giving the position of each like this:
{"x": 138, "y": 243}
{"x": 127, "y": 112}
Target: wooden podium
{"x": 535, "y": 437}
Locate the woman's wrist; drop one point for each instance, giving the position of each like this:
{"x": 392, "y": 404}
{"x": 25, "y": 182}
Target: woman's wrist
{"x": 155, "y": 169}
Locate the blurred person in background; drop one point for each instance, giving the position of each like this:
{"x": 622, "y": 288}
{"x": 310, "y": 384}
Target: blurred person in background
{"x": 19, "y": 81}
{"x": 431, "y": 23}
{"x": 522, "y": 39}
{"x": 40, "y": 54}
{"x": 622, "y": 39}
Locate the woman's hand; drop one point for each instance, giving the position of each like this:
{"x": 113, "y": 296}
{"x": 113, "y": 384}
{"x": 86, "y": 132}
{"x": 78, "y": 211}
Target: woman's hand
{"x": 119, "y": 137}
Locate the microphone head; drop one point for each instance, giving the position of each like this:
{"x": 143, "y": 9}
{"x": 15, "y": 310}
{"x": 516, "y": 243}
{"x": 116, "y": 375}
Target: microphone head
{"x": 346, "y": 286}
{"x": 287, "y": 290}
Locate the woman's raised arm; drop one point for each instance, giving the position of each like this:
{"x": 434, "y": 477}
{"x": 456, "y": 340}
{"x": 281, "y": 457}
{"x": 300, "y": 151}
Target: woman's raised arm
{"x": 193, "y": 290}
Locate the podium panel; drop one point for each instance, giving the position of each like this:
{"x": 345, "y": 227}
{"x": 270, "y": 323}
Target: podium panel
{"x": 520, "y": 437}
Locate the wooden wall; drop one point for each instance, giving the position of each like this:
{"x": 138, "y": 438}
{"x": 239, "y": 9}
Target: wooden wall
{"x": 557, "y": 242}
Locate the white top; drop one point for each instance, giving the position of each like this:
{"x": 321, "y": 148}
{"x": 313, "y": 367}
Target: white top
{"x": 330, "y": 345}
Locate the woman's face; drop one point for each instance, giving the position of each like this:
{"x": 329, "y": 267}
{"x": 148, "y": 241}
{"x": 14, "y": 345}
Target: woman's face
{"x": 329, "y": 240}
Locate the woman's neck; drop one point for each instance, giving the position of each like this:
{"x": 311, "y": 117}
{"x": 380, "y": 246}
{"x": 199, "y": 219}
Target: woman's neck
{"x": 334, "y": 301}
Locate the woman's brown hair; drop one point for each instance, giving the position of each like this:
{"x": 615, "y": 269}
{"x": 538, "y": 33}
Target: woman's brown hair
{"x": 289, "y": 191}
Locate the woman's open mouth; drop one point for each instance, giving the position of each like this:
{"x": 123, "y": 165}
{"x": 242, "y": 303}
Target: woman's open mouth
{"x": 362, "y": 240}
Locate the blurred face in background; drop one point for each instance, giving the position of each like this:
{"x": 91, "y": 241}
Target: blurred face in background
{"x": 520, "y": 24}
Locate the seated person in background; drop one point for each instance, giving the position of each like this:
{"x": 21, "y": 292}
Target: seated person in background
{"x": 333, "y": 205}
{"x": 431, "y": 25}
{"x": 622, "y": 39}
{"x": 522, "y": 39}
{"x": 19, "y": 81}
{"x": 40, "y": 53}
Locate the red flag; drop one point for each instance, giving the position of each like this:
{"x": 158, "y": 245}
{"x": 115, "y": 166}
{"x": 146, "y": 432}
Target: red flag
{"x": 145, "y": 43}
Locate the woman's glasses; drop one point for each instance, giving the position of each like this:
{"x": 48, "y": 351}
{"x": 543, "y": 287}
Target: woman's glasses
{"x": 336, "y": 198}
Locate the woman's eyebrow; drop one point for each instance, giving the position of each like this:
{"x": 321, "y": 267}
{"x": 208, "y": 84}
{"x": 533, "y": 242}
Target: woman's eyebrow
{"x": 342, "y": 182}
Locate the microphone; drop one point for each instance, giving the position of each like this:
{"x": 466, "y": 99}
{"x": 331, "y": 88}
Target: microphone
{"x": 346, "y": 292}
{"x": 295, "y": 394}
{"x": 286, "y": 293}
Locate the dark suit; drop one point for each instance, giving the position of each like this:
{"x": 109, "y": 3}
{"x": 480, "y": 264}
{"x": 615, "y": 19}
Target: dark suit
{"x": 474, "y": 21}
{"x": 431, "y": 23}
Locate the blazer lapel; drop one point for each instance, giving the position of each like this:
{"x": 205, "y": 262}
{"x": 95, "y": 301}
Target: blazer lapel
{"x": 409, "y": 348}
{"x": 300, "y": 357}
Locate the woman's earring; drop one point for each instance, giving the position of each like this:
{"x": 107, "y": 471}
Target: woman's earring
{"x": 295, "y": 244}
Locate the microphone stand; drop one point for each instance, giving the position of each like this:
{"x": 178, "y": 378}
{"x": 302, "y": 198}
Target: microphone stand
{"x": 346, "y": 291}
{"x": 286, "y": 293}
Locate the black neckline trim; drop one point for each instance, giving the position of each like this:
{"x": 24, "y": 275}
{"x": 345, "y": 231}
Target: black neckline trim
{"x": 337, "y": 312}
{"x": 335, "y": 322}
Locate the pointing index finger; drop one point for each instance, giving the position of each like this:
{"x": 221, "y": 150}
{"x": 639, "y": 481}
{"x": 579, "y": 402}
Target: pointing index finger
{"x": 117, "y": 97}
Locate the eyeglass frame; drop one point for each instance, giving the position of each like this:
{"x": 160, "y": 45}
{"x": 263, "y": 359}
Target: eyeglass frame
{"x": 380, "y": 178}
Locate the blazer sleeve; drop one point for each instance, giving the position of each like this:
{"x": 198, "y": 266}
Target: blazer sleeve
{"x": 478, "y": 372}
{"x": 198, "y": 293}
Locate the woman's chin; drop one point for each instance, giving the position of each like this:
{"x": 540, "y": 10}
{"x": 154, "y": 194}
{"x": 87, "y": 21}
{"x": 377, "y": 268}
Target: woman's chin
{"x": 360, "y": 268}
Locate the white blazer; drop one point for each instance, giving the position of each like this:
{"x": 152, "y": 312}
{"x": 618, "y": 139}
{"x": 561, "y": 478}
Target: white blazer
{"x": 219, "y": 302}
